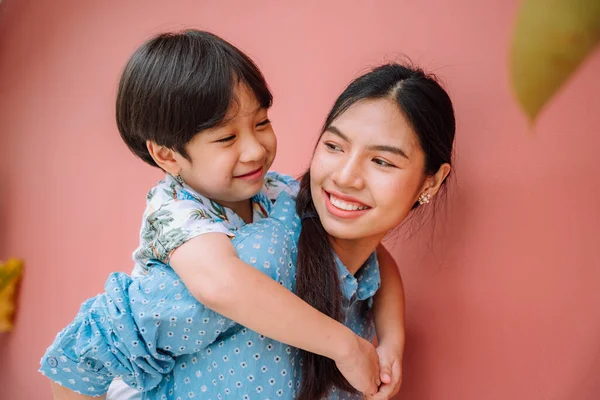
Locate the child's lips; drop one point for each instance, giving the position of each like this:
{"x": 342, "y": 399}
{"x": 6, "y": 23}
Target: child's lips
{"x": 252, "y": 175}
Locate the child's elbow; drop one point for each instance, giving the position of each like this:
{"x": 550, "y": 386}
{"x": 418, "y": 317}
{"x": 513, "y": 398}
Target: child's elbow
{"x": 212, "y": 292}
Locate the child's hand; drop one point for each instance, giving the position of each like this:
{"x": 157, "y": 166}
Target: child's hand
{"x": 390, "y": 362}
{"x": 360, "y": 367}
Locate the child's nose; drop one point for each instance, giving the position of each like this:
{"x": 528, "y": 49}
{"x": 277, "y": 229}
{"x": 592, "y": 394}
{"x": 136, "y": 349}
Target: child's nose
{"x": 252, "y": 150}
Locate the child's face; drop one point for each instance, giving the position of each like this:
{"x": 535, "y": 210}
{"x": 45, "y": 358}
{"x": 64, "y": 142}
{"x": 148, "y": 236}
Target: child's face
{"x": 228, "y": 163}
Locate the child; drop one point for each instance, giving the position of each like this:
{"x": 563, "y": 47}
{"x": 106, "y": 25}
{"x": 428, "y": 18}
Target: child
{"x": 196, "y": 107}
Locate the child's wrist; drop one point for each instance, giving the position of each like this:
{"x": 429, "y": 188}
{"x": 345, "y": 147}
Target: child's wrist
{"x": 345, "y": 345}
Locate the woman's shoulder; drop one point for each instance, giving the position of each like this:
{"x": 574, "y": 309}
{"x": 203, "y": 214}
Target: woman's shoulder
{"x": 282, "y": 226}
{"x": 270, "y": 245}
{"x": 277, "y": 183}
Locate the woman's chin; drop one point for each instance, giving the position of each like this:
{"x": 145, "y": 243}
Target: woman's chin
{"x": 342, "y": 231}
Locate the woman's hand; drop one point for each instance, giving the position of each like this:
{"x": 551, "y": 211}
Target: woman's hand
{"x": 390, "y": 363}
{"x": 360, "y": 366}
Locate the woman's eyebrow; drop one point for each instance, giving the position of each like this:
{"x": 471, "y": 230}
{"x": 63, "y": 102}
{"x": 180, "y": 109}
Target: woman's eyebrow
{"x": 379, "y": 147}
{"x": 390, "y": 149}
{"x": 337, "y": 132}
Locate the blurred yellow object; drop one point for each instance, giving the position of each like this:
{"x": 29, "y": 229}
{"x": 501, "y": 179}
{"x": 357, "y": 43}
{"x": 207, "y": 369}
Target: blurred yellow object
{"x": 10, "y": 272}
{"x": 551, "y": 39}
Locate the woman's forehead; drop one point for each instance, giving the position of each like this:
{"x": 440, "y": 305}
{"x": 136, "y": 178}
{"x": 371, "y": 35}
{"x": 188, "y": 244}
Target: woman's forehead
{"x": 376, "y": 122}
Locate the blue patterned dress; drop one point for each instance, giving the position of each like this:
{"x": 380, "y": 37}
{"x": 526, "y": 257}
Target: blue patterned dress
{"x": 153, "y": 334}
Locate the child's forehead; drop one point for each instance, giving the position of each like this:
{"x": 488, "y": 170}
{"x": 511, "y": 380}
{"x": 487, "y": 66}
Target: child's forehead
{"x": 244, "y": 103}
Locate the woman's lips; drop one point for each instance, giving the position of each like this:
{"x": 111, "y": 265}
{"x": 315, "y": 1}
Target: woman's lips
{"x": 341, "y": 206}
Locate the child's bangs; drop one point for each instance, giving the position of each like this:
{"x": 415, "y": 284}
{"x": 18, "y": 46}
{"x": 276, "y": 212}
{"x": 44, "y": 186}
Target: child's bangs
{"x": 217, "y": 95}
{"x": 249, "y": 75}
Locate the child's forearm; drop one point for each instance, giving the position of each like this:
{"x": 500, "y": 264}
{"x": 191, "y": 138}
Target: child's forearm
{"x": 229, "y": 286}
{"x": 261, "y": 304}
{"x": 389, "y": 302}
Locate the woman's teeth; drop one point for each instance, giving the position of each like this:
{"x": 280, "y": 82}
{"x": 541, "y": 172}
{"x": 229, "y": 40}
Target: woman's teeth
{"x": 342, "y": 205}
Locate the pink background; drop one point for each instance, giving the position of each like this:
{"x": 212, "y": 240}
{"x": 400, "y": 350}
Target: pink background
{"x": 503, "y": 300}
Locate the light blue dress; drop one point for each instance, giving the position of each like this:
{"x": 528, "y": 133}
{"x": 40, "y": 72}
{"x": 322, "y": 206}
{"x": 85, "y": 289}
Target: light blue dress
{"x": 151, "y": 332}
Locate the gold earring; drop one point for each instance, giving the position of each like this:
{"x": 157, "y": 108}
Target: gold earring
{"x": 424, "y": 198}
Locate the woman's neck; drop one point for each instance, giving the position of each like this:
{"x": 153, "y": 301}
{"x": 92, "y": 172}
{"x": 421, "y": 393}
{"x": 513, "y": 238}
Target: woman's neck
{"x": 354, "y": 252}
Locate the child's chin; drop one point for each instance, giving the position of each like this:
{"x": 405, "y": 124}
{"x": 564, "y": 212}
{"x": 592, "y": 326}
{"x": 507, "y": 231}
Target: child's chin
{"x": 254, "y": 188}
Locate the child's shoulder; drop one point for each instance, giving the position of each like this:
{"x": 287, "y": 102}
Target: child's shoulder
{"x": 276, "y": 183}
{"x": 168, "y": 190}
{"x": 181, "y": 205}
{"x": 175, "y": 214}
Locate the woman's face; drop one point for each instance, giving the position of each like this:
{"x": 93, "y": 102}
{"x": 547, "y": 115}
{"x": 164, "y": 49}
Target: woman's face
{"x": 367, "y": 171}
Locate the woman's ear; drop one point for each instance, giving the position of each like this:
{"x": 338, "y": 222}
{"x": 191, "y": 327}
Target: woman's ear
{"x": 164, "y": 157}
{"x": 433, "y": 182}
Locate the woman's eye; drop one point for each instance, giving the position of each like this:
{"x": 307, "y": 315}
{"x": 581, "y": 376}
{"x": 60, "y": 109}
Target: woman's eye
{"x": 332, "y": 146}
{"x": 226, "y": 139}
{"x": 382, "y": 163}
{"x": 263, "y": 123}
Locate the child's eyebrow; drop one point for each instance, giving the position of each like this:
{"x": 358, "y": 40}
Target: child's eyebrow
{"x": 226, "y": 121}
{"x": 215, "y": 129}
{"x": 259, "y": 108}
{"x": 250, "y": 112}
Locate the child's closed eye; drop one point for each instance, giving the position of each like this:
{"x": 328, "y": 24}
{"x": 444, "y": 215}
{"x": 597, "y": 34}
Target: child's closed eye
{"x": 226, "y": 139}
{"x": 264, "y": 122}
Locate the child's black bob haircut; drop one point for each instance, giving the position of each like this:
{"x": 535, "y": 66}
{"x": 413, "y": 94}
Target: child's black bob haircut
{"x": 179, "y": 84}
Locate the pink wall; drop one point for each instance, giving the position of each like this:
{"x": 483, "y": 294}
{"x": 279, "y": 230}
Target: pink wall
{"x": 507, "y": 305}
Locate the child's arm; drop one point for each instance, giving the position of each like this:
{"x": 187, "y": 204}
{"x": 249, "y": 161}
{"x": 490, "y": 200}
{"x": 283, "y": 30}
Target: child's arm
{"x": 389, "y": 324}
{"x": 212, "y": 271}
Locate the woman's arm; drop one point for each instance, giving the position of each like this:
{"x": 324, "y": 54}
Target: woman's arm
{"x": 389, "y": 324}
{"x": 389, "y": 301}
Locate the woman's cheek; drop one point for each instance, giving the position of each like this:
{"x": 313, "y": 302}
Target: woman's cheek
{"x": 393, "y": 192}
{"x": 320, "y": 166}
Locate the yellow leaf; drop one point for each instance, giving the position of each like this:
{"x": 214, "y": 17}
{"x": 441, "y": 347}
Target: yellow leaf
{"x": 551, "y": 39}
{"x": 10, "y": 272}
